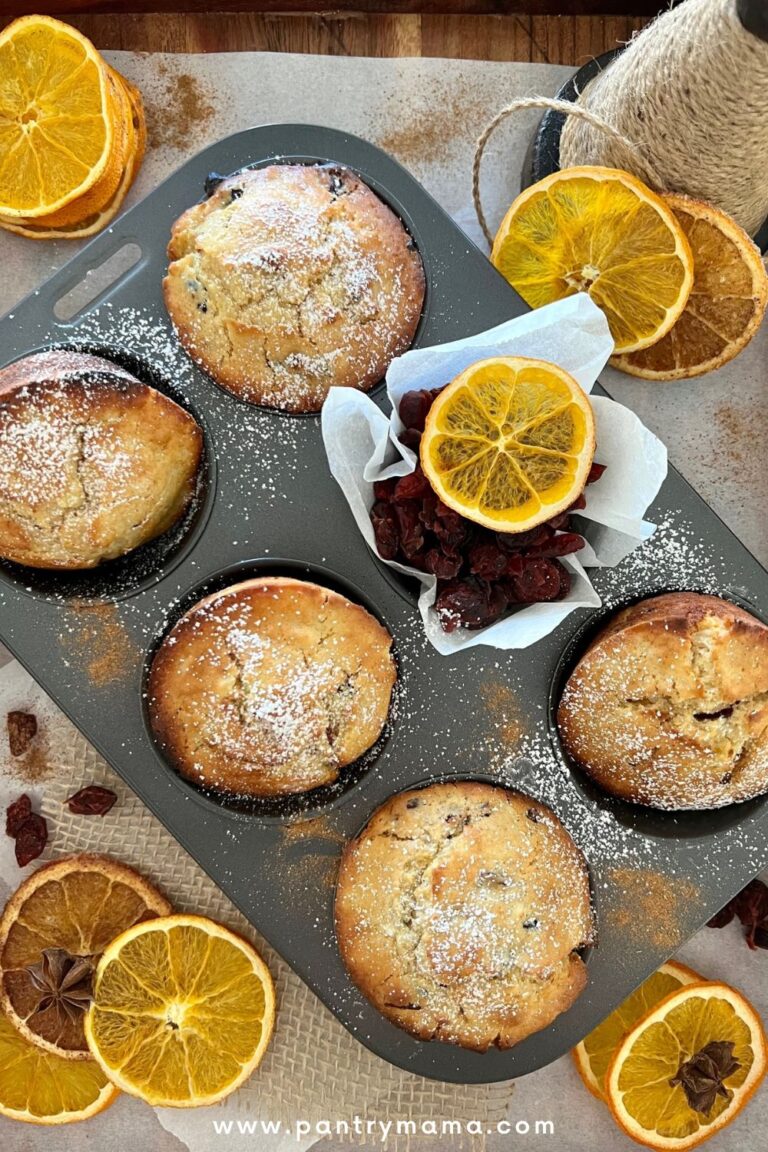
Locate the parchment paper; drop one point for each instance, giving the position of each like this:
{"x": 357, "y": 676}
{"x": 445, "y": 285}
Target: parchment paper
{"x": 363, "y": 446}
{"x": 428, "y": 114}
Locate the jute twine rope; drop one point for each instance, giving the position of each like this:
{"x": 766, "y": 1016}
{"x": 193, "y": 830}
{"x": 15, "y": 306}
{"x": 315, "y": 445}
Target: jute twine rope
{"x": 628, "y": 153}
{"x": 683, "y": 108}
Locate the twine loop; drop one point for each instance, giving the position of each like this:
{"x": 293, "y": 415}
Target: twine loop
{"x": 633, "y": 158}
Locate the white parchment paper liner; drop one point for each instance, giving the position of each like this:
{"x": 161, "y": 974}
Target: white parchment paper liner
{"x": 362, "y": 446}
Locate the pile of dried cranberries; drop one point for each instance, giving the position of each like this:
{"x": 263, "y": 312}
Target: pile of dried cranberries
{"x": 480, "y": 573}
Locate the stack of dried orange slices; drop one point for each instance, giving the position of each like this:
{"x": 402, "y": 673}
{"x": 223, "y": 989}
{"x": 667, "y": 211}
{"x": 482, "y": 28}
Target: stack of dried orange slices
{"x": 677, "y": 1061}
{"x": 682, "y": 286}
{"x": 72, "y": 132}
{"x": 102, "y": 988}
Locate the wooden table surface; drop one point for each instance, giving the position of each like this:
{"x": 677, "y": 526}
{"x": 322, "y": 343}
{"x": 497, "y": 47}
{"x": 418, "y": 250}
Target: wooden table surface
{"x": 542, "y": 39}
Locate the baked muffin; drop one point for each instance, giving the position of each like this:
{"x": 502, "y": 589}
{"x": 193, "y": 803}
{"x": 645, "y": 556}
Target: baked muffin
{"x": 460, "y": 909}
{"x": 668, "y": 707}
{"x": 93, "y": 463}
{"x": 270, "y": 687}
{"x": 291, "y": 279}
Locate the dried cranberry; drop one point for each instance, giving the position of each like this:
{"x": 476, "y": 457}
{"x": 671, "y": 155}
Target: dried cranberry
{"x": 579, "y": 503}
{"x": 537, "y": 583}
{"x": 565, "y": 582}
{"x": 411, "y": 438}
{"x": 469, "y": 604}
{"x": 428, "y": 511}
{"x": 515, "y": 541}
{"x": 515, "y": 563}
{"x": 487, "y": 561}
{"x": 411, "y": 487}
{"x": 16, "y": 814}
{"x": 595, "y": 472}
{"x": 413, "y": 408}
{"x": 93, "y": 800}
{"x": 410, "y": 527}
{"x": 760, "y": 935}
{"x": 22, "y": 729}
{"x": 418, "y": 560}
{"x": 444, "y": 565}
{"x": 31, "y": 839}
{"x": 561, "y": 545}
{"x": 723, "y": 917}
{"x": 450, "y": 528}
{"x": 384, "y": 490}
{"x": 751, "y": 907}
{"x": 456, "y": 602}
{"x": 385, "y": 530}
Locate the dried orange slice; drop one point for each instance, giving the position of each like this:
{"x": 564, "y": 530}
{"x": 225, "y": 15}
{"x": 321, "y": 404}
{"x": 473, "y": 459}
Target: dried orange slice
{"x": 726, "y": 305}
{"x": 103, "y": 191}
{"x": 33, "y": 230}
{"x": 40, "y": 1088}
{"x": 82, "y": 217}
{"x": 601, "y": 231}
{"x": 594, "y": 1054}
{"x": 509, "y": 443}
{"x": 59, "y": 110}
{"x": 182, "y": 1011}
{"x": 688, "y": 1067}
{"x": 138, "y": 118}
{"x": 53, "y": 929}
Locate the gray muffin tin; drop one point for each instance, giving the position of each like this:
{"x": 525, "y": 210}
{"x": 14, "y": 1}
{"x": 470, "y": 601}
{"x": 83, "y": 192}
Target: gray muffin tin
{"x": 268, "y": 504}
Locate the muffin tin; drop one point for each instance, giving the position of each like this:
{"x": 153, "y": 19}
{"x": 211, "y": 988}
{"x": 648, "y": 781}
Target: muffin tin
{"x": 268, "y": 505}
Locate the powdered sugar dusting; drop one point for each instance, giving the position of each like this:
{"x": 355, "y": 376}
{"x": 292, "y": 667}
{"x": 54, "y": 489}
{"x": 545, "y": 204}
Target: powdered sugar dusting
{"x": 271, "y": 688}
{"x": 290, "y": 279}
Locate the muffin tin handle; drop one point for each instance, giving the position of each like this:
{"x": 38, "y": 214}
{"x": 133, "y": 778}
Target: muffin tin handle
{"x": 101, "y": 278}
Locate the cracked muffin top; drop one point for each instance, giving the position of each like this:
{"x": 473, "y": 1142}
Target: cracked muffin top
{"x": 93, "y": 463}
{"x": 460, "y": 909}
{"x": 270, "y": 687}
{"x": 668, "y": 707}
{"x": 291, "y": 279}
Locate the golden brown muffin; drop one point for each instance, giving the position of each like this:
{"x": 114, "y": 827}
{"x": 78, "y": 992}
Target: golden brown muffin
{"x": 668, "y": 707}
{"x": 460, "y": 909}
{"x": 270, "y": 687}
{"x": 93, "y": 463}
{"x": 291, "y": 279}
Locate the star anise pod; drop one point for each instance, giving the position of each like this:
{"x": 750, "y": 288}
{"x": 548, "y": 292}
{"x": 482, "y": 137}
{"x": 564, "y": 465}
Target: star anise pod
{"x": 64, "y": 981}
{"x": 702, "y": 1076}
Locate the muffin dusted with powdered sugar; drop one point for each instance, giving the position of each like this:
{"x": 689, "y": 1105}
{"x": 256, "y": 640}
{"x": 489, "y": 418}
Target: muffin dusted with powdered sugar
{"x": 668, "y": 707}
{"x": 93, "y": 463}
{"x": 291, "y": 279}
{"x": 271, "y": 687}
{"x": 460, "y": 911}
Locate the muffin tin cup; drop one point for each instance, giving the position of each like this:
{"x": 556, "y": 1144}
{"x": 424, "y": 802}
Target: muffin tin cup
{"x": 270, "y": 495}
{"x": 135, "y": 570}
{"x": 299, "y": 806}
{"x": 673, "y": 828}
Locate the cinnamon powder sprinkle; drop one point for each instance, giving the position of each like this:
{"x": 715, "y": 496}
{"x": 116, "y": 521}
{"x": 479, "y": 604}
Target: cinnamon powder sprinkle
{"x": 98, "y": 638}
{"x": 318, "y": 828}
{"x": 653, "y": 906}
{"x": 423, "y": 137}
{"x": 183, "y": 108}
{"x": 504, "y": 708}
